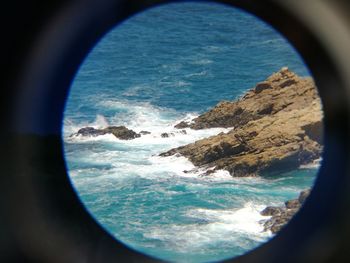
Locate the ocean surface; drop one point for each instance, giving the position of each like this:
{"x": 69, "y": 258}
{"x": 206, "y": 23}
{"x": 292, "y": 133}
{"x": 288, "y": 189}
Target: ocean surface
{"x": 164, "y": 65}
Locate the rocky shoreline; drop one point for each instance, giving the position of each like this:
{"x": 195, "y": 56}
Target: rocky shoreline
{"x": 120, "y": 132}
{"x": 280, "y": 215}
{"x": 276, "y": 127}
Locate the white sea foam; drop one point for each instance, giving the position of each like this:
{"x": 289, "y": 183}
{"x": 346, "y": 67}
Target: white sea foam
{"x": 81, "y": 139}
{"x": 140, "y": 116}
{"x": 313, "y": 165}
{"x": 172, "y": 163}
{"x": 139, "y": 158}
{"x": 100, "y": 122}
{"x": 181, "y": 83}
{"x": 70, "y": 127}
{"x": 144, "y": 117}
{"x": 214, "y": 226}
{"x": 243, "y": 220}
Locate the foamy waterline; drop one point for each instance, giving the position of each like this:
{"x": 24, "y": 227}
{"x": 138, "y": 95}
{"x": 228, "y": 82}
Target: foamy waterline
{"x": 215, "y": 226}
{"x": 316, "y": 164}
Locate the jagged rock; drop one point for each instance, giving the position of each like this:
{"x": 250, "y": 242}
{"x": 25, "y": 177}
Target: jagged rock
{"x": 283, "y": 90}
{"x": 89, "y": 131}
{"x": 277, "y": 127}
{"x": 314, "y": 130}
{"x": 303, "y": 195}
{"x": 280, "y": 216}
{"x": 145, "y": 132}
{"x": 121, "y": 132}
{"x": 292, "y": 204}
{"x": 271, "y": 211}
{"x": 182, "y": 125}
{"x": 262, "y": 86}
{"x": 166, "y": 135}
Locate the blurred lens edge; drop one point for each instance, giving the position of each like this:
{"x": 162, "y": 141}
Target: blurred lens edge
{"x": 41, "y": 217}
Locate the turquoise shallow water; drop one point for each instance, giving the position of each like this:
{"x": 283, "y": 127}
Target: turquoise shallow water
{"x": 160, "y": 67}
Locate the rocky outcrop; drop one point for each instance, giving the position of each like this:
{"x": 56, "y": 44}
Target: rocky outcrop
{"x": 277, "y": 126}
{"x": 282, "y": 91}
{"x": 121, "y": 132}
{"x": 171, "y": 134}
{"x": 167, "y": 135}
{"x": 281, "y": 215}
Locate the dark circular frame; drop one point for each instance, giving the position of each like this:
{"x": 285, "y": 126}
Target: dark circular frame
{"x": 46, "y": 219}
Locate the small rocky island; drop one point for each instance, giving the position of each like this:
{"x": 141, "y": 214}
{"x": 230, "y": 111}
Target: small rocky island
{"x": 276, "y": 127}
{"x": 120, "y": 132}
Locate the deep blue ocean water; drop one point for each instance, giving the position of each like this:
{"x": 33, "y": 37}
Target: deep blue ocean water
{"x": 162, "y": 66}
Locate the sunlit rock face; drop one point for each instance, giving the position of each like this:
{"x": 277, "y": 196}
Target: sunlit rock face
{"x": 276, "y": 127}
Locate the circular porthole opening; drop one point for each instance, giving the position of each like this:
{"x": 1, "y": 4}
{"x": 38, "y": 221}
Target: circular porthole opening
{"x": 193, "y": 132}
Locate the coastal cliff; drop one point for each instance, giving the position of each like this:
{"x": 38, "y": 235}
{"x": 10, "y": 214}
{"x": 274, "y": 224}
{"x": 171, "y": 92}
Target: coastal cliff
{"x": 276, "y": 126}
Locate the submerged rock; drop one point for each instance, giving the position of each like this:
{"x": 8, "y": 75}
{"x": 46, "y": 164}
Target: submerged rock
{"x": 145, "y": 132}
{"x": 89, "y": 131}
{"x": 172, "y": 134}
{"x": 182, "y": 125}
{"x": 121, "y": 132}
{"x": 272, "y": 211}
{"x": 281, "y": 215}
{"x": 277, "y": 127}
{"x": 166, "y": 135}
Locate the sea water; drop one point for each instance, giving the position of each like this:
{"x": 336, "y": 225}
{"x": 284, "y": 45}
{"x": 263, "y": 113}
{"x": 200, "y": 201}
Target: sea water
{"x": 160, "y": 67}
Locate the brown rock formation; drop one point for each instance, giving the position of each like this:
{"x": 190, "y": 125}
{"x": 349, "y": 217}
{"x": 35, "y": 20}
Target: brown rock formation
{"x": 277, "y": 127}
{"x": 281, "y": 215}
{"x": 121, "y": 132}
